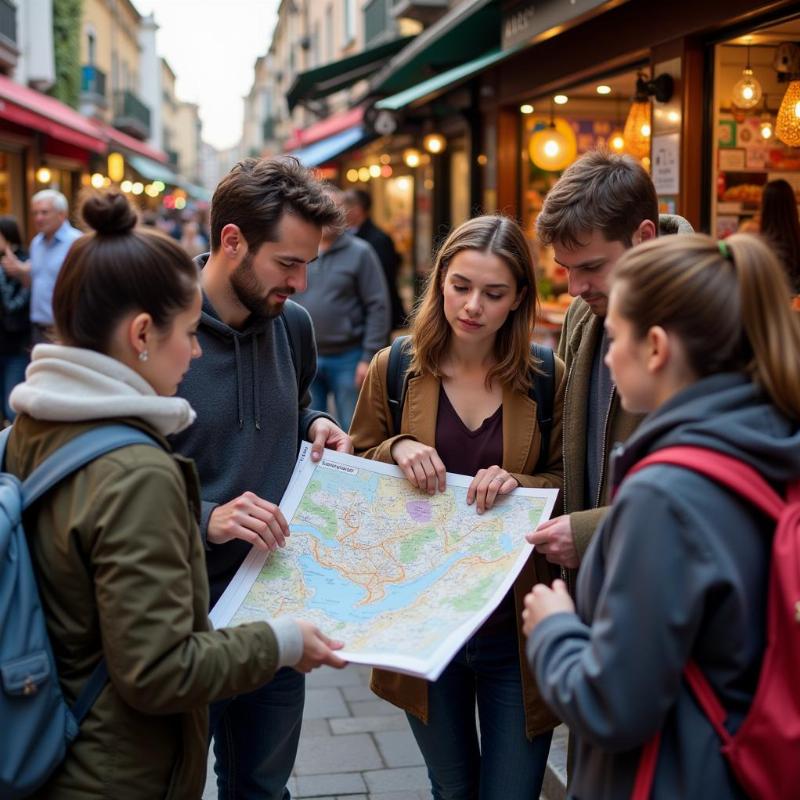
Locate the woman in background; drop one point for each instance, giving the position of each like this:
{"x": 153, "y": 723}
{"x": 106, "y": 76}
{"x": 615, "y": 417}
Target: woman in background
{"x": 780, "y": 226}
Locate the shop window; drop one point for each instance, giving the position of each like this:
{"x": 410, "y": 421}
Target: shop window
{"x": 746, "y": 152}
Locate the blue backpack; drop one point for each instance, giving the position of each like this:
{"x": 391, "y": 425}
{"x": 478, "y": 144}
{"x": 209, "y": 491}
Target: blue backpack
{"x": 38, "y": 725}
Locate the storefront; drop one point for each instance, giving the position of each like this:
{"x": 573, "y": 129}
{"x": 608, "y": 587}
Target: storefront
{"x": 43, "y": 144}
{"x": 753, "y": 72}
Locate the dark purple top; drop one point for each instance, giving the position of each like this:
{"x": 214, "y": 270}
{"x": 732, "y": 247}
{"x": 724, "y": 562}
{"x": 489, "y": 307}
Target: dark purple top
{"x": 464, "y": 452}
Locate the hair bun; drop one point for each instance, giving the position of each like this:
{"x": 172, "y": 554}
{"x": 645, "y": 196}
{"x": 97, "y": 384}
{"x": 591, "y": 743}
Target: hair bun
{"x": 109, "y": 213}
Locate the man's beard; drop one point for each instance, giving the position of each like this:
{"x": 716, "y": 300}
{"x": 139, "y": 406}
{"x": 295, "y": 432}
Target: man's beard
{"x": 250, "y": 293}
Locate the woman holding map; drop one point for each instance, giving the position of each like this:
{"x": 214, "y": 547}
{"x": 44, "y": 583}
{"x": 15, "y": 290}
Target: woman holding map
{"x": 115, "y": 545}
{"x": 468, "y": 408}
{"x": 672, "y": 591}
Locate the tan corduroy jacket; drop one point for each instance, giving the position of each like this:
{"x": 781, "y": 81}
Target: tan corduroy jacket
{"x": 580, "y": 338}
{"x": 373, "y": 437}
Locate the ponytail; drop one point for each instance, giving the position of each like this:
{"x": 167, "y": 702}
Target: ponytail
{"x": 728, "y": 303}
{"x": 770, "y": 325}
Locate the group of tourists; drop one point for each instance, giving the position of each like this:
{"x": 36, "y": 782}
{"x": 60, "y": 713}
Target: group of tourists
{"x": 671, "y": 340}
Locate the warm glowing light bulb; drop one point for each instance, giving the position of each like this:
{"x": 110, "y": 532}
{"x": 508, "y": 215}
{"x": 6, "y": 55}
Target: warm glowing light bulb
{"x": 797, "y": 109}
{"x": 363, "y": 174}
{"x": 766, "y": 130}
{"x": 43, "y": 175}
{"x": 526, "y": 108}
{"x": 374, "y": 170}
{"x": 551, "y": 148}
{"x": 603, "y": 89}
{"x": 97, "y": 180}
{"x": 645, "y": 130}
{"x": 617, "y": 142}
{"x": 411, "y": 157}
{"x": 352, "y": 175}
{"x": 137, "y": 187}
{"x": 747, "y": 90}
{"x": 560, "y": 99}
{"x": 126, "y": 186}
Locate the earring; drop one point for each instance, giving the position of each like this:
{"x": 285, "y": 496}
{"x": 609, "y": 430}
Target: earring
{"x": 143, "y": 356}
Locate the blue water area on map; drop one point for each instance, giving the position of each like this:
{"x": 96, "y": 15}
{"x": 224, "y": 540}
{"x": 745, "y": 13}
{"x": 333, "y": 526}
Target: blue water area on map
{"x": 506, "y": 542}
{"x": 333, "y": 544}
{"x": 339, "y": 597}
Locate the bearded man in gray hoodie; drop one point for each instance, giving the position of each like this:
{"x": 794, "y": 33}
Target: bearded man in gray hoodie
{"x": 251, "y": 394}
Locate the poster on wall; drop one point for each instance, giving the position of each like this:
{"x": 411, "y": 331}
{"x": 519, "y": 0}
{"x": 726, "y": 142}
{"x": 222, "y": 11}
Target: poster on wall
{"x": 665, "y": 163}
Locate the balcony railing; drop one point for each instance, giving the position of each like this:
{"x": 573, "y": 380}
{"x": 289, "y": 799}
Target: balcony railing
{"x": 93, "y": 81}
{"x": 131, "y": 114}
{"x": 8, "y": 20}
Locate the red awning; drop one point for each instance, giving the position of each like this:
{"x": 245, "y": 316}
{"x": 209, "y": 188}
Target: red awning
{"x": 126, "y": 142}
{"x": 32, "y": 109}
{"x": 324, "y": 128}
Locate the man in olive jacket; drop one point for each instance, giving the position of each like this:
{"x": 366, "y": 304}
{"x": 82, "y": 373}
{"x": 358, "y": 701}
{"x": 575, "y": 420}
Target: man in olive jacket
{"x": 602, "y": 205}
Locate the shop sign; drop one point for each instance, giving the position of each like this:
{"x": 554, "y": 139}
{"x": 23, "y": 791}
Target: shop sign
{"x": 666, "y": 162}
{"x": 521, "y": 21}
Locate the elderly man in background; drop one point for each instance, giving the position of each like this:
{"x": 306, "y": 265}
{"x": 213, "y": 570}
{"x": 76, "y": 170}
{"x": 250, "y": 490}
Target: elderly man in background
{"x": 48, "y": 250}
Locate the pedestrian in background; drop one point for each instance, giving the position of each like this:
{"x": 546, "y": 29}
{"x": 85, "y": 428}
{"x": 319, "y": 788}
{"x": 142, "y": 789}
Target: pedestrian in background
{"x": 780, "y": 226}
{"x": 468, "y": 410}
{"x": 120, "y": 563}
{"x": 704, "y": 343}
{"x": 358, "y": 208}
{"x": 348, "y": 301}
{"x": 49, "y": 248}
{"x": 15, "y": 322}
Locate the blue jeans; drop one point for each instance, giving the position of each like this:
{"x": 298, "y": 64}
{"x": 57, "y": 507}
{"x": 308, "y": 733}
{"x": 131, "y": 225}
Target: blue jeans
{"x": 12, "y": 372}
{"x": 336, "y": 375}
{"x": 255, "y": 739}
{"x": 505, "y": 764}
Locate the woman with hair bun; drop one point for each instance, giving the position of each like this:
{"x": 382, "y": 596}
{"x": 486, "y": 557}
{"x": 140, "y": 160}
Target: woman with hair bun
{"x": 704, "y": 341}
{"x": 115, "y": 546}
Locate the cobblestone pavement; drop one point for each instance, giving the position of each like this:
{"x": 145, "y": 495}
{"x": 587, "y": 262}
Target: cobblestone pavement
{"x": 353, "y": 746}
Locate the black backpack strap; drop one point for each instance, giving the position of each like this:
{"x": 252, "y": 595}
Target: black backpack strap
{"x": 298, "y": 333}
{"x": 397, "y": 378}
{"x": 543, "y": 393}
{"x": 91, "y": 691}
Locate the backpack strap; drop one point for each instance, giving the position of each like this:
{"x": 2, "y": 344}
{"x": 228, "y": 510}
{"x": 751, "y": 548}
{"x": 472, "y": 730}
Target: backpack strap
{"x": 542, "y": 391}
{"x": 299, "y": 341}
{"x": 727, "y": 471}
{"x": 397, "y": 378}
{"x": 77, "y": 453}
{"x": 743, "y": 480}
{"x": 69, "y": 458}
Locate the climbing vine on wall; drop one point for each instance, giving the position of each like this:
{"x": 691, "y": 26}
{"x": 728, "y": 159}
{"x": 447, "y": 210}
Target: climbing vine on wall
{"x": 67, "y": 44}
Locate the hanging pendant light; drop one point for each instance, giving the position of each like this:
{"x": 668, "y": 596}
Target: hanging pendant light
{"x": 787, "y": 123}
{"x": 637, "y": 127}
{"x": 549, "y": 148}
{"x": 747, "y": 90}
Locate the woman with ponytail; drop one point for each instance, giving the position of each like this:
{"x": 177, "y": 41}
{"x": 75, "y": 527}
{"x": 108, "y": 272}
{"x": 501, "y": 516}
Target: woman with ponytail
{"x": 704, "y": 341}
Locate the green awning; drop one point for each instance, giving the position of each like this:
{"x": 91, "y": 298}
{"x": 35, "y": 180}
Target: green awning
{"x": 152, "y": 170}
{"x": 467, "y": 28}
{"x": 443, "y": 81}
{"x": 329, "y": 78}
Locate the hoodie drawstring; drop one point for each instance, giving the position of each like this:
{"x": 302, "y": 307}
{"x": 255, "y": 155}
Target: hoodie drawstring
{"x": 239, "y": 389}
{"x": 256, "y": 396}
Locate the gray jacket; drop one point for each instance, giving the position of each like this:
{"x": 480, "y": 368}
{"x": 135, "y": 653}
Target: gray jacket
{"x": 678, "y": 570}
{"x": 348, "y": 299}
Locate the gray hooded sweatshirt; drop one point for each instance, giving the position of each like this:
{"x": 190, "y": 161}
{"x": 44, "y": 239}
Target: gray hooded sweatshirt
{"x": 251, "y": 419}
{"x": 678, "y": 570}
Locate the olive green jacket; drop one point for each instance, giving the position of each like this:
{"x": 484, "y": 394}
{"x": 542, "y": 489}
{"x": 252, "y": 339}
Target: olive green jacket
{"x": 580, "y": 338}
{"x": 371, "y": 431}
{"x": 121, "y": 574}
